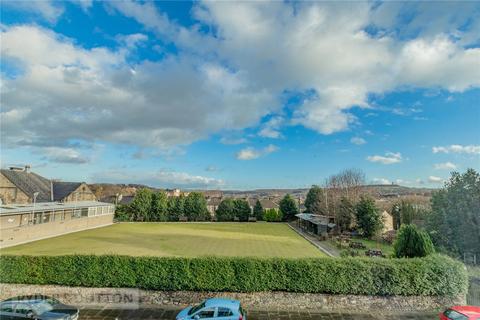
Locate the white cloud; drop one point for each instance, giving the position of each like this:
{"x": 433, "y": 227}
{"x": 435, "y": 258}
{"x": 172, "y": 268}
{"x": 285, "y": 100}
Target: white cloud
{"x": 162, "y": 178}
{"x": 456, "y": 148}
{"x": 232, "y": 141}
{"x": 271, "y": 128}
{"x": 64, "y": 155}
{"x": 434, "y": 179}
{"x": 252, "y": 153}
{"x": 211, "y": 168}
{"x": 216, "y": 82}
{"x": 445, "y": 166}
{"x": 381, "y": 181}
{"x": 358, "y": 141}
{"x": 96, "y": 95}
{"x": 388, "y": 158}
{"x": 49, "y": 10}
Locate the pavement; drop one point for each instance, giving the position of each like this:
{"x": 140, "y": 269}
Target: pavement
{"x": 323, "y": 246}
{"x": 169, "y": 314}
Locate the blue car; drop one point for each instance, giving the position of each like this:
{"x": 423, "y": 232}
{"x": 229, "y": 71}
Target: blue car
{"x": 221, "y": 309}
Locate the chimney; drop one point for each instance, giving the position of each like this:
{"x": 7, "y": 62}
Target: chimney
{"x": 27, "y": 168}
{"x": 51, "y": 190}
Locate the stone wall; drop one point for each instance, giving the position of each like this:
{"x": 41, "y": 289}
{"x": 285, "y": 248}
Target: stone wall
{"x": 82, "y": 193}
{"x": 9, "y": 193}
{"x": 132, "y": 298}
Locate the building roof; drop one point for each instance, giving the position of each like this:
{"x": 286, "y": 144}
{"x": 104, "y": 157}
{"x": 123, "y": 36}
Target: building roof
{"x": 214, "y": 201}
{"x": 316, "y": 219}
{"x": 29, "y": 183}
{"x": 266, "y": 203}
{"x": 8, "y": 209}
{"x": 63, "y": 189}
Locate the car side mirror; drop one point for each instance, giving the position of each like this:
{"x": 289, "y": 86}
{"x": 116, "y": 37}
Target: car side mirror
{"x": 196, "y": 317}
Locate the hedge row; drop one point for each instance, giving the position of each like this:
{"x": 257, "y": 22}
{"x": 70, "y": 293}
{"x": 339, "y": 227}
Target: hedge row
{"x": 435, "y": 275}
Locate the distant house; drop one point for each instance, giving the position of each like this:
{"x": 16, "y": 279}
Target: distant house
{"x": 266, "y": 203}
{"x": 20, "y": 185}
{"x": 212, "y": 204}
{"x": 118, "y": 199}
{"x": 387, "y": 221}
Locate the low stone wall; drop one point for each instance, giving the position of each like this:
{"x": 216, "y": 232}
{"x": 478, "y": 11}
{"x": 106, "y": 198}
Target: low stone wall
{"x": 133, "y": 298}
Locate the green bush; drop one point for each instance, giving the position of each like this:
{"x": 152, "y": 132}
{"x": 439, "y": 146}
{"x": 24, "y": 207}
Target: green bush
{"x": 272, "y": 215}
{"x": 434, "y": 275}
{"x": 411, "y": 243}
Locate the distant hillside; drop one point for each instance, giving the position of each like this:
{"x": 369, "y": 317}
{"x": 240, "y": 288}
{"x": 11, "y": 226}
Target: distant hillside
{"x": 102, "y": 190}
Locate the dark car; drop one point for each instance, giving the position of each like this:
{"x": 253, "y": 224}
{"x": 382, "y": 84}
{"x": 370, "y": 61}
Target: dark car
{"x": 38, "y": 307}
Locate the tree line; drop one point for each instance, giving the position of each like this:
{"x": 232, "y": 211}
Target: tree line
{"x": 231, "y": 209}
{"x": 157, "y": 207}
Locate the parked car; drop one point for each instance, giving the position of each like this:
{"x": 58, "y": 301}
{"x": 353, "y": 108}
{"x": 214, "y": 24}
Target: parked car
{"x": 222, "y": 309}
{"x": 461, "y": 313}
{"x": 37, "y": 307}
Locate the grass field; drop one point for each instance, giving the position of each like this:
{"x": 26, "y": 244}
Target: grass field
{"x": 177, "y": 239}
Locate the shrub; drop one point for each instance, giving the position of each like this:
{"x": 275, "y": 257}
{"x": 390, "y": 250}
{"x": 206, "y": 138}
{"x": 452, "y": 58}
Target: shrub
{"x": 241, "y": 209}
{"x": 258, "y": 210}
{"x": 369, "y": 219}
{"x": 411, "y": 243}
{"x": 272, "y": 215}
{"x": 195, "y": 206}
{"x": 288, "y": 207}
{"x": 434, "y": 275}
{"x": 225, "y": 210}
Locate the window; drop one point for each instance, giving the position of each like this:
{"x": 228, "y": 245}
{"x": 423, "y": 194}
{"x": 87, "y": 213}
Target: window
{"x": 454, "y": 315}
{"x": 59, "y": 215}
{"x": 23, "y": 308}
{"x": 205, "y": 314}
{"x": 47, "y": 217}
{"x": 84, "y": 212}
{"x": 76, "y": 213}
{"x": 6, "y": 307}
{"x": 37, "y": 219}
{"x": 196, "y": 308}
{"x": 224, "y": 312}
{"x": 92, "y": 211}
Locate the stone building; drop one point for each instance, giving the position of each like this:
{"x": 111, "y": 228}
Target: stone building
{"x": 20, "y": 185}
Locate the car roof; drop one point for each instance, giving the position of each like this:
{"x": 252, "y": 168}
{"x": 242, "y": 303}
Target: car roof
{"x": 33, "y": 297}
{"x": 222, "y": 302}
{"x": 467, "y": 310}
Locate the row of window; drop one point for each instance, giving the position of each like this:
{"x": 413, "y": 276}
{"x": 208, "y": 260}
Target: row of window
{"x": 58, "y": 215}
{"x": 47, "y": 216}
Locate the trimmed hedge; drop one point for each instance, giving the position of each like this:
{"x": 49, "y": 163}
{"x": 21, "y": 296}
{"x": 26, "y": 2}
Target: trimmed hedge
{"x": 434, "y": 275}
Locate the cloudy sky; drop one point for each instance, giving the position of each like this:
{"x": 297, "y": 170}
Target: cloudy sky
{"x": 240, "y": 95}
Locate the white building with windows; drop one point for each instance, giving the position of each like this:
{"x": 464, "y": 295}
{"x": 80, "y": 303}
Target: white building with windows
{"x": 21, "y": 223}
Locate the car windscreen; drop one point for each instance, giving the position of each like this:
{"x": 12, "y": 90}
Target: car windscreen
{"x": 454, "y": 315}
{"x": 41, "y": 307}
{"x": 196, "y": 308}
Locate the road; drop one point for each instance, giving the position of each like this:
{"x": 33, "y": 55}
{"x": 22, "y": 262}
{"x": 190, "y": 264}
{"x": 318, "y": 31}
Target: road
{"x": 164, "y": 314}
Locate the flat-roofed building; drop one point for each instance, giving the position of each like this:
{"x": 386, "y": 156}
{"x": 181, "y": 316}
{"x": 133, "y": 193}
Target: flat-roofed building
{"x": 21, "y": 223}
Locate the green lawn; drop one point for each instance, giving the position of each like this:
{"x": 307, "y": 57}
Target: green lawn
{"x": 177, "y": 239}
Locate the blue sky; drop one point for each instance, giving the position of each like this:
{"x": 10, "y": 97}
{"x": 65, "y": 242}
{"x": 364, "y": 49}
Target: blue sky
{"x": 240, "y": 95}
